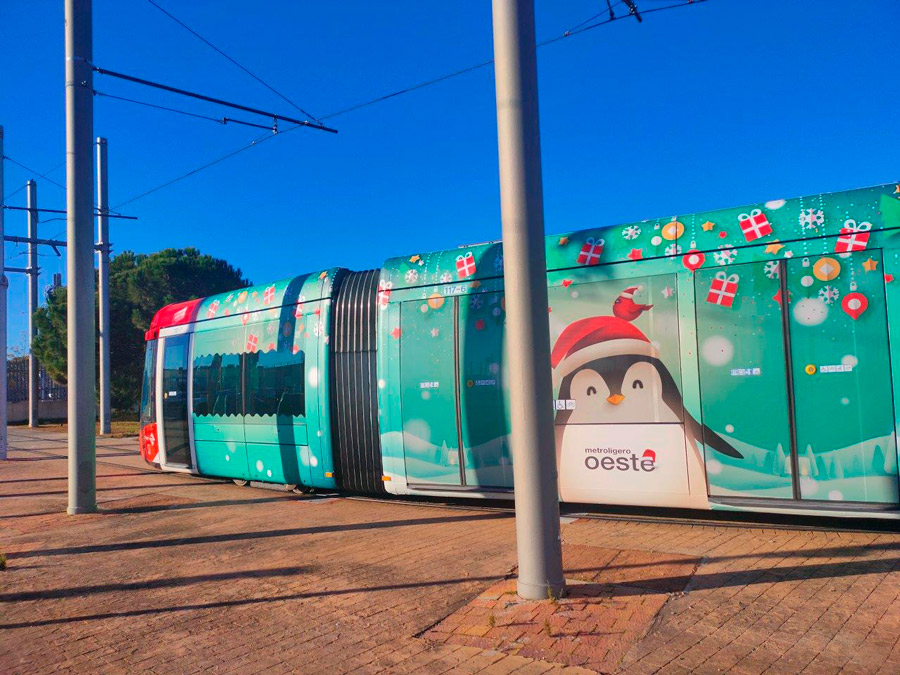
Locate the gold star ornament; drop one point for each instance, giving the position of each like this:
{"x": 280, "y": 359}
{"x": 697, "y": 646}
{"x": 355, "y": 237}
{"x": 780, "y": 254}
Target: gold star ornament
{"x": 774, "y": 247}
{"x": 563, "y": 241}
{"x": 870, "y": 265}
{"x": 708, "y": 226}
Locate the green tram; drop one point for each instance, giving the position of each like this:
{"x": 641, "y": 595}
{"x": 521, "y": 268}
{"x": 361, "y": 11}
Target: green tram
{"x": 735, "y": 359}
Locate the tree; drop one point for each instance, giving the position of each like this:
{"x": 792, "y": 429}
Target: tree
{"x": 139, "y": 285}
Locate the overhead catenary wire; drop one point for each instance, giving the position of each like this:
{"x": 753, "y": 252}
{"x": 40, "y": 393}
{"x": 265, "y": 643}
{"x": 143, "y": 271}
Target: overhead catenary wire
{"x": 232, "y": 60}
{"x": 40, "y": 177}
{"x": 44, "y": 176}
{"x": 255, "y": 142}
{"x": 581, "y": 28}
{"x": 578, "y": 30}
{"x": 218, "y": 120}
{"x": 210, "y": 99}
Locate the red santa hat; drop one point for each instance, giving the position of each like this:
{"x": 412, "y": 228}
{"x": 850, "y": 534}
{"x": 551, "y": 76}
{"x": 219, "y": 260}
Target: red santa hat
{"x": 594, "y": 338}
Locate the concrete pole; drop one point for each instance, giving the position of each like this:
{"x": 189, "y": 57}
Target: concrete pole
{"x": 103, "y": 240}
{"x": 80, "y": 258}
{"x": 4, "y": 287}
{"x": 34, "y": 387}
{"x": 525, "y": 279}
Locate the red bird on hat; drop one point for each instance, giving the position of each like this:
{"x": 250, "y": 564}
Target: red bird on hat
{"x": 626, "y": 308}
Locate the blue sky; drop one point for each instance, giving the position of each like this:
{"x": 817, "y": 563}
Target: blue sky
{"x": 714, "y": 105}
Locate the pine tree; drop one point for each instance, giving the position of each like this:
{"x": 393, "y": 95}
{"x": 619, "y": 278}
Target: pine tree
{"x": 878, "y": 460}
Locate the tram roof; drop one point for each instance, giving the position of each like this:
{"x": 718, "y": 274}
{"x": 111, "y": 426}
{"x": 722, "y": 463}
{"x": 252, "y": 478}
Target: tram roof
{"x": 668, "y": 236}
{"x": 289, "y": 291}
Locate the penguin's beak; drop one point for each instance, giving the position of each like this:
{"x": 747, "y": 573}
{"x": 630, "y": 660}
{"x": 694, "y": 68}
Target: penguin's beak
{"x": 615, "y": 399}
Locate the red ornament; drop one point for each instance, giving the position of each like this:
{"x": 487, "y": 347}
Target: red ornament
{"x": 854, "y": 304}
{"x": 636, "y": 254}
{"x": 693, "y": 259}
{"x": 566, "y": 283}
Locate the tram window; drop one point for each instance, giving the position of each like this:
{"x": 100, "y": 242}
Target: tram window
{"x": 275, "y": 383}
{"x": 217, "y": 384}
{"x": 148, "y": 388}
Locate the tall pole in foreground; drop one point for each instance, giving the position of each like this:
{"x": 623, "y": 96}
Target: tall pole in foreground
{"x": 80, "y": 258}
{"x": 4, "y": 286}
{"x": 525, "y": 279}
{"x": 103, "y": 240}
{"x": 34, "y": 392}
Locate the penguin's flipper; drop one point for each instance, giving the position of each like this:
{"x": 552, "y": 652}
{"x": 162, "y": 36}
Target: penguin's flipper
{"x": 710, "y": 438}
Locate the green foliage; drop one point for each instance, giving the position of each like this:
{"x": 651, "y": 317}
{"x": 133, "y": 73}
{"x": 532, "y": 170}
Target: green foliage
{"x": 139, "y": 285}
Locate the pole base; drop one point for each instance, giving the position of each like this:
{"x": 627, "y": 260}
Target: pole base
{"x": 544, "y": 591}
{"x": 78, "y": 510}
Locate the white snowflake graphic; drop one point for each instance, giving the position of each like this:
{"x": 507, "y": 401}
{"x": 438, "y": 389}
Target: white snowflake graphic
{"x": 673, "y": 249}
{"x": 829, "y": 294}
{"x": 725, "y": 255}
{"x": 810, "y": 219}
{"x": 772, "y": 269}
{"x": 476, "y": 302}
{"x": 411, "y": 276}
{"x": 631, "y": 232}
{"x": 498, "y": 263}
{"x": 446, "y": 278}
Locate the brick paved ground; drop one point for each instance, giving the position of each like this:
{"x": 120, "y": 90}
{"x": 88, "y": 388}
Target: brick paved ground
{"x": 180, "y": 575}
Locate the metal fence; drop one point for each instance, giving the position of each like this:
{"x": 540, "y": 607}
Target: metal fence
{"x": 17, "y": 383}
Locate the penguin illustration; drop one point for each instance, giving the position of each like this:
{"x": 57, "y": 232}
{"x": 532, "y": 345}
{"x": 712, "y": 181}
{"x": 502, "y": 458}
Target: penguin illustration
{"x": 612, "y": 372}
{"x": 626, "y": 308}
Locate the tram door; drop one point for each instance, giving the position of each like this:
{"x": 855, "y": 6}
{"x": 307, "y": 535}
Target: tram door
{"x": 840, "y": 358}
{"x": 795, "y": 374}
{"x": 174, "y": 392}
{"x": 429, "y": 392}
{"x": 743, "y": 384}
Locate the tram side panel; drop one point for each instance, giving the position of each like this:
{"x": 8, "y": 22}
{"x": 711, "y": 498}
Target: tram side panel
{"x": 761, "y": 371}
{"x": 259, "y": 383}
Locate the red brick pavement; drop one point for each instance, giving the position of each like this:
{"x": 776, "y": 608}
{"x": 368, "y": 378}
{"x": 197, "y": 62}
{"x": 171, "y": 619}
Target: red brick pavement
{"x": 181, "y": 575}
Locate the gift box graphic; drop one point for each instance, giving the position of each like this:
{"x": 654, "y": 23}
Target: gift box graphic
{"x": 723, "y": 289}
{"x": 252, "y": 343}
{"x": 754, "y": 224}
{"x": 853, "y": 237}
{"x": 590, "y": 251}
{"x": 269, "y": 295}
{"x": 465, "y": 265}
{"x": 213, "y": 308}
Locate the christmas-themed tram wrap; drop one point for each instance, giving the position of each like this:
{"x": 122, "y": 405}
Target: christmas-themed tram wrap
{"x": 732, "y": 359}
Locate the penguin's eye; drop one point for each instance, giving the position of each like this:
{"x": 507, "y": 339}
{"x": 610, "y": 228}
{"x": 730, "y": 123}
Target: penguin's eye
{"x": 591, "y": 391}
{"x": 637, "y": 385}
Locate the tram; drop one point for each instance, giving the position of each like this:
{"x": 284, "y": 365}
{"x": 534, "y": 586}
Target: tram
{"x": 737, "y": 359}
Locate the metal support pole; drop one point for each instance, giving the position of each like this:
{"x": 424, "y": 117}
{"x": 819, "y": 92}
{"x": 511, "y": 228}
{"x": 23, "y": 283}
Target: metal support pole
{"x": 525, "y": 279}
{"x": 34, "y": 391}
{"x": 103, "y": 242}
{"x": 80, "y": 259}
{"x": 4, "y": 287}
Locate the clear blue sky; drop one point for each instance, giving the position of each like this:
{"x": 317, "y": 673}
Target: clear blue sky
{"x": 708, "y": 106}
